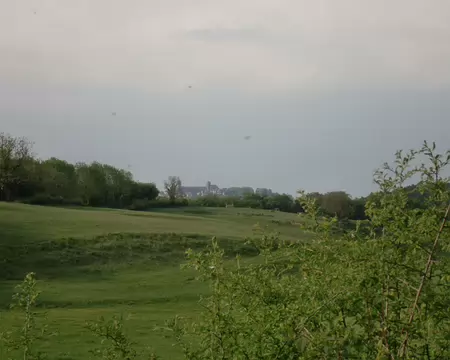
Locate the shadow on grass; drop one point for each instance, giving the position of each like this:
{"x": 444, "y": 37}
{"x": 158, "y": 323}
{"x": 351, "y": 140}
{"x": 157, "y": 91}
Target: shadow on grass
{"x": 75, "y": 257}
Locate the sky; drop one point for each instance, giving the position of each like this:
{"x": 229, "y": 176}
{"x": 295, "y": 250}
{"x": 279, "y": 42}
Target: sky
{"x": 328, "y": 90}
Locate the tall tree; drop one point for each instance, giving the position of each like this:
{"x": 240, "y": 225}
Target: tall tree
{"x": 14, "y": 154}
{"x": 337, "y": 203}
{"x": 146, "y": 191}
{"x": 283, "y": 202}
{"x": 89, "y": 184}
{"x": 58, "y": 178}
{"x": 173, "y": 188}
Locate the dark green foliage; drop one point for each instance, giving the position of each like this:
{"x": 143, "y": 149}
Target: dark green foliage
{"x": 340, "y": 204}
{"x": 358, "y": 209}
{"x": 57, "y": 182}
{"x": 281, "y": 202}
{"x": 212, "y": 201}
{"x": 47, "y": 199}
{"x": 15, "y": 158}
{"x": 337, "y": 203}
{"x": 144, "y": 191}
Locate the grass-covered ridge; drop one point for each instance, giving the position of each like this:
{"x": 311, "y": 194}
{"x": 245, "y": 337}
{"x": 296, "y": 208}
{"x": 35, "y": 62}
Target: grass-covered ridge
{"x": 27, "y": 223}
{"x": 100, "y": 262}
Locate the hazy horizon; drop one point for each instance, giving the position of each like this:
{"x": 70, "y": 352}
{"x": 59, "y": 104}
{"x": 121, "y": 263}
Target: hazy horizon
{"x": 327, "y": 91}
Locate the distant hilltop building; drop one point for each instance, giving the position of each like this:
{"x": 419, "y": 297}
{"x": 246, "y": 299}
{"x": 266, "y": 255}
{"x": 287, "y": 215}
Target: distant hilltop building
{"x": 193, "y": 192}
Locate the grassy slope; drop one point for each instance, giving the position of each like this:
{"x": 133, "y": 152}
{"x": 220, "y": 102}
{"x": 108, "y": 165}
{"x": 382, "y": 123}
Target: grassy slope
{"x": 104, "y": 262}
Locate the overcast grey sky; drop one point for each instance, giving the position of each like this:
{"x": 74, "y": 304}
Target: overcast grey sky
{"x": 328, "y": 89}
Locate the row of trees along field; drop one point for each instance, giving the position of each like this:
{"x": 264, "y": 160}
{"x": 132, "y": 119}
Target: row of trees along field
{"x": 25, "y": 178}
{"x": 335, "y": 203}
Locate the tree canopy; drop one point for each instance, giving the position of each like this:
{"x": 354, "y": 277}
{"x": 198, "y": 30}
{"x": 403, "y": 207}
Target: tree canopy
{"x": 54, "y": 181}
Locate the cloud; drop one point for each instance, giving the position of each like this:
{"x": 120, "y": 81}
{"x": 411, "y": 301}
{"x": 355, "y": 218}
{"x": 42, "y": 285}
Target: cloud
{"x": 252, "y": 45}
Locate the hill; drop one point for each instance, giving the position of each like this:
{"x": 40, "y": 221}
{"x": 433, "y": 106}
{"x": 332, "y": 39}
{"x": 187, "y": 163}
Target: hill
{"x": 100, "y": 262}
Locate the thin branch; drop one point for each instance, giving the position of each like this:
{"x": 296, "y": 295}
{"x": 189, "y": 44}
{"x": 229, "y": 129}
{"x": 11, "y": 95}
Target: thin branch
{"x": 408, "y": 285}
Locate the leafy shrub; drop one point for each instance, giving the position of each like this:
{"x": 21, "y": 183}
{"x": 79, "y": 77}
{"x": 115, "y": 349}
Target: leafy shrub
{"x": 115, "y": 344}
{"x": 140, "y": 205}
{"x": 355, "y": 293}
{"x": 23, "y": 341}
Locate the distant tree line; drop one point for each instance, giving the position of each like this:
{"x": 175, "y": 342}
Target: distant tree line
{"x": 281, "y": 202}
{"x": 25, "y": 178}
{"x": 336, "y": 203}
{"x": 341, "y": 205}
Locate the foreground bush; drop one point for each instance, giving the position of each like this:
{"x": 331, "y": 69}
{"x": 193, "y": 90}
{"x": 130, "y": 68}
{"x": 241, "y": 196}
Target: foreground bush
{"x": 376, "y": 292}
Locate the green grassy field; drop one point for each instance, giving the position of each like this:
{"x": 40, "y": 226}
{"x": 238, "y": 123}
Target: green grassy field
{"x": 94, "y": 262}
